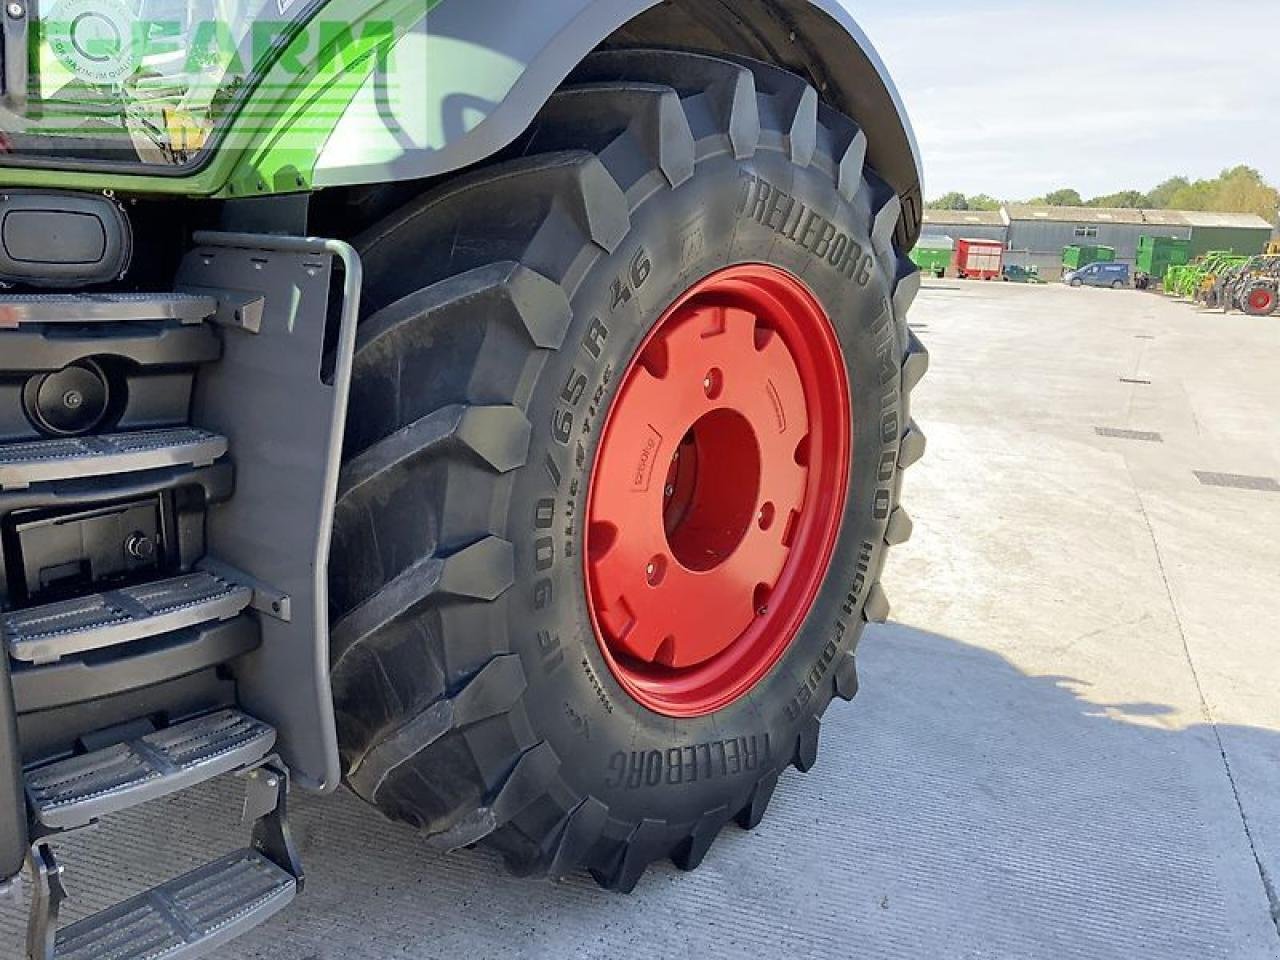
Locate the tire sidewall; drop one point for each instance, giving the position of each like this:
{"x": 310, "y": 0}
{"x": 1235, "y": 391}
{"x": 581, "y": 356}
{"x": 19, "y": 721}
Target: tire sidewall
{"x": 641, "y": 763}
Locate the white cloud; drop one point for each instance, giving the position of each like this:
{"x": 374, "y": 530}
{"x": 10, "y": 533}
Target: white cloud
{"x": 1015, "y": 99}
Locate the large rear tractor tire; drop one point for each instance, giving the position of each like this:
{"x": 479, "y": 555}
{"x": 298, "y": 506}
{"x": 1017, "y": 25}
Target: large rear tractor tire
{"x": 625, "y": 447}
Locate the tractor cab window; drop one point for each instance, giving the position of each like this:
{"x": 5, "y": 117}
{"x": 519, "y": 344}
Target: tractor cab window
{"x": 138, "y": 81}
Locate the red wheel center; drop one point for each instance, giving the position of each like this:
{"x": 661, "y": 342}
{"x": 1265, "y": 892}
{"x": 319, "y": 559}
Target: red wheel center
{"x": 716, "y": 470}
{"x": 1260, "y": 299}
{"x": 717, "y": 492}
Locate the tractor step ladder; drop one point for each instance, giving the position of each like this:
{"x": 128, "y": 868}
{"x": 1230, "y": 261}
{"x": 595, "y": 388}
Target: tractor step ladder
{"x": 187, "y": 917}
{"x": 77, "y": 308}
{"x": 190, "y": 916}
{"x": 47, "y": 634}
{"x": 76, "y": 458}
{"x": 79, "y": 790}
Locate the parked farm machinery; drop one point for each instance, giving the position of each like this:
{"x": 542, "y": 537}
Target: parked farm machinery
{"x": 1252, "y": 287}
{"x": 1196, "y": 280}
{"x": 1221, "y": 279}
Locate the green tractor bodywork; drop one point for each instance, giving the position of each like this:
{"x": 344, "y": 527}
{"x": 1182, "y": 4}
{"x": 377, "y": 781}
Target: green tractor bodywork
{"x": 232, "y": 98}
{"x": 187, "y": 188}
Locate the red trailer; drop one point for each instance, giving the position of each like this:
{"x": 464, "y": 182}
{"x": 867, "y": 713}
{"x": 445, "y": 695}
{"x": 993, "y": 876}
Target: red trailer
{"x": 979, "y": 259}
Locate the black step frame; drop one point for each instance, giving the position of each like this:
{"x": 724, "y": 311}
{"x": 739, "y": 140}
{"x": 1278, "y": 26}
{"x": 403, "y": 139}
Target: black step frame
{"x": 285, "y": 433}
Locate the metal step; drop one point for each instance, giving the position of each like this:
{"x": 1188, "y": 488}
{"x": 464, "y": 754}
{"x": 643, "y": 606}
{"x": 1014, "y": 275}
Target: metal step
{"x": 73, "y": 792}
{"x": 47, "y": 634}
{"x": 44, "y": 461}
{"x": 19, "y": 309}
{"x": 185, "y": 918}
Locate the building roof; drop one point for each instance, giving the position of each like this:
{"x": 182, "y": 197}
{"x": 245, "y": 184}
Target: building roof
{"x": 1027, "y": 213}
{"x": 1146, "y": 218}
{"x": 1247, "y": 221}
{"x": 964, "y": 218}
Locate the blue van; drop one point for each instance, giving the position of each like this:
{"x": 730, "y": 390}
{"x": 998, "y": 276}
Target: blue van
{"x": 1114, "y": 275}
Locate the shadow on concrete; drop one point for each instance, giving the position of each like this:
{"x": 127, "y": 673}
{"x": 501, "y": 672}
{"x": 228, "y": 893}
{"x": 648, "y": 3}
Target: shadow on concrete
{"x": 960, "y": 808}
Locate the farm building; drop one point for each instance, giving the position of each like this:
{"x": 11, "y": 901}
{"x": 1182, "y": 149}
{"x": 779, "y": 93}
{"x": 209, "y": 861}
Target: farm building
{"x": 1243, "y": 233}
{"x": 966, "y": 224}
{"x": 1036, "y": 235}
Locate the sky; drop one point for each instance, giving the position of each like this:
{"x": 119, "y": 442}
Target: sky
{"x": 1016, "y": 99}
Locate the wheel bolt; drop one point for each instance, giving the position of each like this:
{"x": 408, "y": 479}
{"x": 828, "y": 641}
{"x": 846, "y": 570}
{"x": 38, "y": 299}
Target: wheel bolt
{"x": 72, "y": 399}
{"x": 670, "y": 491}
{"x": 649, "y": 570}
{"x": 16, "y": 10}
{"x": 713, "y": 383}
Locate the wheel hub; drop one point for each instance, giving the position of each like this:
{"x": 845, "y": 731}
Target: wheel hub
{"x": 1260, "y": 299}
{"x": 717, "y": 492}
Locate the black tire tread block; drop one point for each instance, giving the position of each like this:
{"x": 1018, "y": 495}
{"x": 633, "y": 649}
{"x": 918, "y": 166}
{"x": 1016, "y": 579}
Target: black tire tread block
{"x": 912, "y": 447}
{"x": 806, "y": 752}
{"x": 899, "y": 529}
{"x": 749, "y": 817}
{"x": 788, "y": 109}
{"x": 719, "y": 97}
{"x": 639, "y": 131}
{"x": 846, "y": 677}
{"x": 916, "y": 362}
{"x": 691, "y": 851}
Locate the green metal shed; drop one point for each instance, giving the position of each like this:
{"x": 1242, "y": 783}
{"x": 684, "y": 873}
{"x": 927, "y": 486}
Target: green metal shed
{"x": 1241, "y": 233}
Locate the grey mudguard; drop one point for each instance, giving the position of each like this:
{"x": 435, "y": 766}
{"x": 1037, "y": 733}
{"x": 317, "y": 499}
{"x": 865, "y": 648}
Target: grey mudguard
{"x": 471, "y": 75}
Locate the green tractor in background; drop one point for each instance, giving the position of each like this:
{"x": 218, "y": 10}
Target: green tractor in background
{"x": 501, "y": 409}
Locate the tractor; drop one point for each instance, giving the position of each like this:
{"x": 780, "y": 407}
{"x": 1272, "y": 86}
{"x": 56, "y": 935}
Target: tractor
{"x": 1251, "y": 287}
{"x": 499, "y": 411}
{"x": 1208, "y": 290}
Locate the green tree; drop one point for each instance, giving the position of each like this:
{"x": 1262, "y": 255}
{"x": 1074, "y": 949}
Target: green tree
{"x": 1242, "y": 190}
{"x": 1158, "y": 198}
{"x": 982, "y": 201}
{"x": 1066, "y": 197}
{"x": 1129, "y": 199}
{"x": 950, "y": 201}
{"x": 1239, "y": 189}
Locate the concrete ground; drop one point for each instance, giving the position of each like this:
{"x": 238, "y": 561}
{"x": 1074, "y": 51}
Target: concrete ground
{"x": 1068, "y": 739}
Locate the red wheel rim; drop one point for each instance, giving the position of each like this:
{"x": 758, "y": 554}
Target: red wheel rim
{"x": 1260, "y": 300}
{"x": 718, "y": 490}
